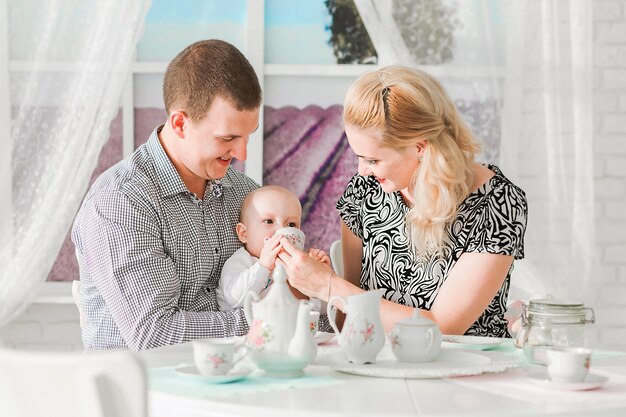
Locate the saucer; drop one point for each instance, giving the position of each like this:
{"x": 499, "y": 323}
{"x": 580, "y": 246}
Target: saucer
{"x": 449, "y": 363}
{"x": 591, "y": 381}
{"x": 470, "y": 342}
{"x": 192, "y": 373}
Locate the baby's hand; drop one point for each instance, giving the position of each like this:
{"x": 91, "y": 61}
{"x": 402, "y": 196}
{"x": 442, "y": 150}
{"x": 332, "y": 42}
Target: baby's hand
{"x": 270, "y": 250}
{"x": 319, "y": 255}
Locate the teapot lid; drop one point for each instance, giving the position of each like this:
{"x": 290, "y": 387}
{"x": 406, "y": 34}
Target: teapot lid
{"x": 416, "y": 320}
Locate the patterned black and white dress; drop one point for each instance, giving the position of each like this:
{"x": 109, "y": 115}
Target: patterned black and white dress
{"x": 492, "y": 219}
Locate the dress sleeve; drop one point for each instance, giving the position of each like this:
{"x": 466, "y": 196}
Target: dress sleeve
{"x": 350, "y": 204}
{"x": 501, "y": 224}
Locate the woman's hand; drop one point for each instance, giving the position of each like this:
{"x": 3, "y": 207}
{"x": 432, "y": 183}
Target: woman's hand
{"x": 305, "y": 273}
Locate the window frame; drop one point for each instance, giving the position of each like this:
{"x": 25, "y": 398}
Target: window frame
{"x": 254, "y": 51}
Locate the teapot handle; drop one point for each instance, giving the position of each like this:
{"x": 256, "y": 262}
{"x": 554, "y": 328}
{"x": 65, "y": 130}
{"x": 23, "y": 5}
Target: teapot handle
{"x": 245, "y": 351}
{"x": 247, "y": 305}
{"x": 329, "y": 308}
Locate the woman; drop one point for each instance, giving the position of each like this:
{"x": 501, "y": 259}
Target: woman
{"x": 421, "y": 219}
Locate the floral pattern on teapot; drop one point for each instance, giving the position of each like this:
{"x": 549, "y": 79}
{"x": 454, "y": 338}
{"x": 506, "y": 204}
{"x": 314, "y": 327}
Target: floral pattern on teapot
{"x": 259, "y": 335}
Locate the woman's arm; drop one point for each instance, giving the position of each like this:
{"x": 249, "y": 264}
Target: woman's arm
{"x": 471, "y": 285}
{"x": 469, "y": 288}
{"x": 352, "y": 251}
{"x": 311, "y": 276}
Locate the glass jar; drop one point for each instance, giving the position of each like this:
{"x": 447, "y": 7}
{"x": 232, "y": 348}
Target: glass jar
{"x": 552, "y": 323}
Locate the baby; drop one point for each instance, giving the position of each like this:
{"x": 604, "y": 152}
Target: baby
{"x": 263, "y": 211}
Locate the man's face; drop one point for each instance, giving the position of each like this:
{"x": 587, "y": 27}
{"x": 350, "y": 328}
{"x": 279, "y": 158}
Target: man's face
{"x": 210, "y": 144}
{"x": 268, "y": 211}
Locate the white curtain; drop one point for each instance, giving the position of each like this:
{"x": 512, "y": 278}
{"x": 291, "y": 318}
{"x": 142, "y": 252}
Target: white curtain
{"x": 548, "y": 143}
{"x": 520, "y": 72}
{"x": 69, "y": 61}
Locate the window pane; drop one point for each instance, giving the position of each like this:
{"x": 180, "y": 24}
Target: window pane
{"x": 58, "y": 21}
{"x": 171, "y": 27}
{"x": 315, "y": 32}
{"x": 149, "y": 107}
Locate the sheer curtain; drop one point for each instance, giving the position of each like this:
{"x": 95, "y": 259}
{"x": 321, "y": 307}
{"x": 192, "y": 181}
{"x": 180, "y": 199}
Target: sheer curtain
{"x": 547, "y": 140}
{"x": 69, "y": 61}
{"x": 520, "y": 72}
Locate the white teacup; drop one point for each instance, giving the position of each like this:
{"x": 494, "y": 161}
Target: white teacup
{"x": 216, "y": 356}
{"x": 293, "y": 235}
{"x": 568, "y": 364}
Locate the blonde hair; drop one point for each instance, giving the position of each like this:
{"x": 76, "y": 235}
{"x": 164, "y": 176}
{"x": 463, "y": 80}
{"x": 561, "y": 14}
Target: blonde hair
{"x": 402, "y": 106}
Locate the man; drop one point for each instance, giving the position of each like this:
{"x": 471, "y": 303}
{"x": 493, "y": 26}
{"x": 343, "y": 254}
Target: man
{"x": 154, "y": 231}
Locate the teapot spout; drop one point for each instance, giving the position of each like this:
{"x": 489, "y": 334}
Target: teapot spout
{"x": 302, "y": 345}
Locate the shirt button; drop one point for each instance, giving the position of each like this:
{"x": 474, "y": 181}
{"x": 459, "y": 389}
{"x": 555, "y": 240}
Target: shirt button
{"x": 217, "y": 250}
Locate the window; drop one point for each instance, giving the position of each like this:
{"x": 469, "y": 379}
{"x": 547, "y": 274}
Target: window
{"x": 306, "y": 53}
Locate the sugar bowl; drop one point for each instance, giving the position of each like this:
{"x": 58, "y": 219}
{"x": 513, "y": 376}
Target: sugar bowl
{"x": 415, "y": 339}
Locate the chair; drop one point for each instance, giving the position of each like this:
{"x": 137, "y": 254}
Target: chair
{"x": 336, "y": 257}
{"x": 76, "y": 298}
{"x": 71, "y": 384}
{"x": 76, "y": 292}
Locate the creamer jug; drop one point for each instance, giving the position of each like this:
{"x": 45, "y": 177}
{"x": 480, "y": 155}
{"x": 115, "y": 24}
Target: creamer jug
{"x": 362, "y": 336}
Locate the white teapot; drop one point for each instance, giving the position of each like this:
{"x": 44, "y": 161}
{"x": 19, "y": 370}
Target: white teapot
{"x": 280, "y": 339}
{"x": 362, "y": 336}
{"x": 415, "y": 339}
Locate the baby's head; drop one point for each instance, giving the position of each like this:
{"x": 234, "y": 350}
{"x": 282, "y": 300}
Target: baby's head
{"x": 264, "y": 211}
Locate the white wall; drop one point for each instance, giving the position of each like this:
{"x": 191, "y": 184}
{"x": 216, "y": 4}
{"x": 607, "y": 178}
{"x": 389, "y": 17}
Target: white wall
{"x": 609, "y": 149}
{"x": 45, "y": 326}
{"x": 56, "y": 325}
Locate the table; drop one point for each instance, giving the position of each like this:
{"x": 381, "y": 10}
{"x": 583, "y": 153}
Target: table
{"x": 331, "y": 393}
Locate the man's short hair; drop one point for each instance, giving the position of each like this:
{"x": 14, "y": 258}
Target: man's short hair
{"x": 205, "y": 70}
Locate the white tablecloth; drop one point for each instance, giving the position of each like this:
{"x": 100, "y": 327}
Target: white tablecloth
{"x": 324, "y": 392}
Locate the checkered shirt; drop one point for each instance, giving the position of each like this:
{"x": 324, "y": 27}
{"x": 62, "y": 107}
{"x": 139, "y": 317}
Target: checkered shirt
{"x": 151, "y": 253}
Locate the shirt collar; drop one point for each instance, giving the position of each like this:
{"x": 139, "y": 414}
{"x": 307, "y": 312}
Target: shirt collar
{"x": 167, "y": 178}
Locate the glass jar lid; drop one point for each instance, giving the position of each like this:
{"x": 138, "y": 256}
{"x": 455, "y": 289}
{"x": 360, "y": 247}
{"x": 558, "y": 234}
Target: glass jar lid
{"x": 552, "y": 306}
{"x": 552, "y": 311}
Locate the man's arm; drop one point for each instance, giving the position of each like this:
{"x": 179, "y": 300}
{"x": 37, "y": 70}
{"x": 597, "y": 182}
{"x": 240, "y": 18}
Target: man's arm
{"x": 124, "y": 254}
